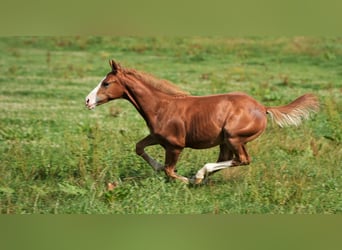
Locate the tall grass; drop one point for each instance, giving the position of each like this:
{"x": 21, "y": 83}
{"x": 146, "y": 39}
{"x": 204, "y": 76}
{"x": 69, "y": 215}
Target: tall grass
{"x": 57, "y": 157}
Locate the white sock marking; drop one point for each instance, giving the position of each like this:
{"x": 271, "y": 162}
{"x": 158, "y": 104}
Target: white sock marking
{"x": 211, "y": 167}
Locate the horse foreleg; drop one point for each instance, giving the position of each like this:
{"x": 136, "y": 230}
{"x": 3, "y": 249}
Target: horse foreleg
{"x": 171, "y": 159}
{"x": 141, "y": 145}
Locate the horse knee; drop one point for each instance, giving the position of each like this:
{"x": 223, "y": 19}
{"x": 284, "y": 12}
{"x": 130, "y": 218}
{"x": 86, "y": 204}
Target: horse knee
{"x": 139, "y": 150}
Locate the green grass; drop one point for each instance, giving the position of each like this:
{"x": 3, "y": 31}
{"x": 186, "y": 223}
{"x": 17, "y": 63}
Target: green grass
{"x": 56, "y": 156}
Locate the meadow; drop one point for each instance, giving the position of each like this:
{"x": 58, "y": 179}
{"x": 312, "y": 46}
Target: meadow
{"x": 56, "y": 157}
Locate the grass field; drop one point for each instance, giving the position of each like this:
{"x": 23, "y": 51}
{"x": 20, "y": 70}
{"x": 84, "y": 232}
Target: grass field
{"x": 56, "y": 156}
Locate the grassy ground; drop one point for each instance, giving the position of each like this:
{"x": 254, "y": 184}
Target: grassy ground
{"x": 56, "y": 156}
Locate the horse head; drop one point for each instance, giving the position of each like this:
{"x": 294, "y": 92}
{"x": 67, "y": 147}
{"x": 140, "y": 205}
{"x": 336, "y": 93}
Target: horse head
{"x": 109, "y": 88}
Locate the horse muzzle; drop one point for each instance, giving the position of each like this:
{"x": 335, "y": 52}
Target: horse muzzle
{"x": 90, "y": 104}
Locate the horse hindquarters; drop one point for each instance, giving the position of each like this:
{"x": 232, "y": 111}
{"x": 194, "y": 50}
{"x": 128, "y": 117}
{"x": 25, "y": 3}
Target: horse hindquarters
{"x": 242, "y": 125}
{"x": 251, "y": 124}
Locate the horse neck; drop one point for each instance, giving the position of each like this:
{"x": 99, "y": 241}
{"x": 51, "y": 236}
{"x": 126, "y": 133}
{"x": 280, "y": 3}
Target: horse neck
{"x": 144, "y": 98}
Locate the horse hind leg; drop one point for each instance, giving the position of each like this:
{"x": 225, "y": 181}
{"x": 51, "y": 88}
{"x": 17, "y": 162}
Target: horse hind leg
{"x": 235, "y": 146}
{"x": 225, "y": 160}
{"x": 209, "y": 169}
{"x": 246, "y": 155}
{"x": 225, "y": 153}
{"x": 238, "y": 145}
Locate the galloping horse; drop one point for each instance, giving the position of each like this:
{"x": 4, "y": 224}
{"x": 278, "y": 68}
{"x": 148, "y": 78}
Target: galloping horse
{"x": 177, "y": 119}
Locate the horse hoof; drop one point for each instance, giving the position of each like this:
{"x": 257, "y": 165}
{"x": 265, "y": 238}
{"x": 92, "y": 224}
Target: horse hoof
{"x": 185, "y": 180}
{"x": 196, "y": 181}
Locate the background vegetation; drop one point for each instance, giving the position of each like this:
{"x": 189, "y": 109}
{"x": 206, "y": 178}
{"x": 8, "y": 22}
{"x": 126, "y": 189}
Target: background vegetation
{"x": 57, "y": 157}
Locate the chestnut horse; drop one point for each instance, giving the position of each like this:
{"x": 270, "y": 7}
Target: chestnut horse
{"x": 177, "y": 119}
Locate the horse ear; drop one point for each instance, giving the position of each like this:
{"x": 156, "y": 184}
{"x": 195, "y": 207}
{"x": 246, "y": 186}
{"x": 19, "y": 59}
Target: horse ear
{"x": 114, "y": 66}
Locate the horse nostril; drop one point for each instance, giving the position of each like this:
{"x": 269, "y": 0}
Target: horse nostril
{"x": 87, "y": 102}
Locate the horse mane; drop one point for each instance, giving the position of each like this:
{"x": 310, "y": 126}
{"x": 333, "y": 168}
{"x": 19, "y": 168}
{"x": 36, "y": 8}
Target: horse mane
{"x": 161, "y": 84}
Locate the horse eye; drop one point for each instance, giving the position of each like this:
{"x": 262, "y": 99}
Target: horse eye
{"x": 105, "y": 84}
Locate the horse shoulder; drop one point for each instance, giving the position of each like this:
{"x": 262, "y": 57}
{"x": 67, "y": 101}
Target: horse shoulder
{"x": 170, "y": 125}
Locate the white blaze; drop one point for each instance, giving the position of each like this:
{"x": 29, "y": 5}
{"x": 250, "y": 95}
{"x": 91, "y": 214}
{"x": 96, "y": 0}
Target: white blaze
{"x": 91, "y": 98}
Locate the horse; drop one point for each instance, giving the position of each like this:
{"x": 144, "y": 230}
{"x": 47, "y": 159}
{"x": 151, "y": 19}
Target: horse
{"x": 177, "y": 119}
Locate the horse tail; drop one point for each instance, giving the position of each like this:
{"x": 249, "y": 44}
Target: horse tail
{"x": 294, "y": 112}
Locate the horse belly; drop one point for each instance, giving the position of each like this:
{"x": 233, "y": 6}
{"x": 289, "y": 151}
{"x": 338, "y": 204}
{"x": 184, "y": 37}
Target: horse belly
{"x": 203, "y": 132}
{"x": 202, "y": 144}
